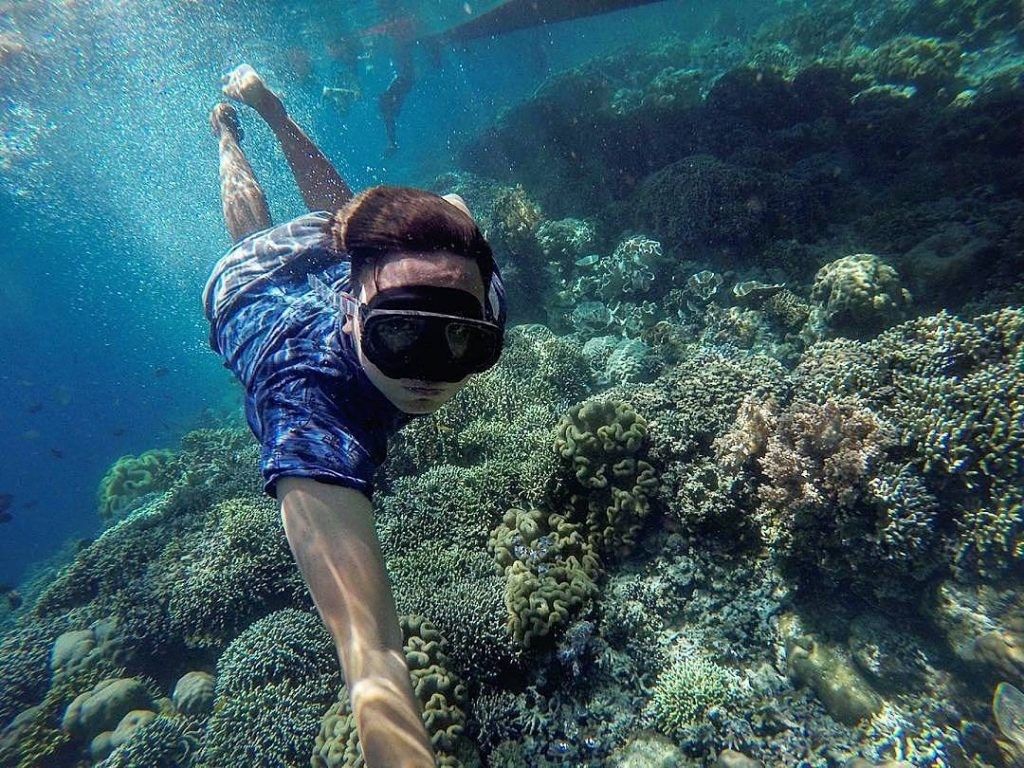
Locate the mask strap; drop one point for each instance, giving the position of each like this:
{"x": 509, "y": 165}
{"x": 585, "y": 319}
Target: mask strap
{"x": 342, "y": 302}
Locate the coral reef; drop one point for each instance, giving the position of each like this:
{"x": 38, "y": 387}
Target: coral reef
{"x": 748, "y": 509}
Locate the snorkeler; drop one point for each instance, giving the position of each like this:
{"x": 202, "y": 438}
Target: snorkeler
{"x": 343, "y": 324}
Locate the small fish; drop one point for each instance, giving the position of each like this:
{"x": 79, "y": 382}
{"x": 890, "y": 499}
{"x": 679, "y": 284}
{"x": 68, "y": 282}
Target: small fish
{"x": 35, "y": 407}
{"x": 5, "y": 501}
{"x": 118, "y": 432}
{"x": 57, "y": 453}
{"x": 13, "y": 598}
{"x": 5, "y": 516}
{"x": 588, "y": 261}
{"x": 31, "y": 434}
{"x": 62, "y": 394}
{"x": 30, "y": 504}
{"x": 160, "y": 371}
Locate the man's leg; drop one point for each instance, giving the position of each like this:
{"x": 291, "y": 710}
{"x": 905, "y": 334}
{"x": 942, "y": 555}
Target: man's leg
{"x": 321, "y": 185}
{"x": 245, "y": 205}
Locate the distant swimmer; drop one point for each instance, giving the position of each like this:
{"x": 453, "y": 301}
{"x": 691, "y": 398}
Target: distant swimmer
{"x": 508, "y": 16}
{"x": 343, "y": 325}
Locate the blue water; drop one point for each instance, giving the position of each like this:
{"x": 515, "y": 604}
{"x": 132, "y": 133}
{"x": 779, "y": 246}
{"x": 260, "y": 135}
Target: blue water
{"x": 111, "y": 215}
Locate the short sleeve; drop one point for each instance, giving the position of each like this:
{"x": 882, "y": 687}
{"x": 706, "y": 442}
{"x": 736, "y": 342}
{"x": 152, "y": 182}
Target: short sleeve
{"x": 304, "y": 435}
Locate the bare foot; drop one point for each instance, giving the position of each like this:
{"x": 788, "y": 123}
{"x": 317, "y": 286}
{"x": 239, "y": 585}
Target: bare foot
{"x": 224, "y": 119}
{"x": 243, "y": 84}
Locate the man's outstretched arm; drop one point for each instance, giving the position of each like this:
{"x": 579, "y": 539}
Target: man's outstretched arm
{"x": 331, "y": 534}
{"x": 321, "y": 185}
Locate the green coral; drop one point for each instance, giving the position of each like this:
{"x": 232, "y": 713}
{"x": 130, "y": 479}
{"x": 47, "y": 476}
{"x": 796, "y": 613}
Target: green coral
{"x": 684, "y": 692}
{"x": 236, "y": 563}
{"x": 452, "y": 476}
{"x": 273, "y": 683}
{"x": 163, "y": 742}
{"x": 458, "y": 591}
{"x": 441, "y": 693}
{"x": 549, "y": 567}
{"x": 130, "y": 478}
{"x": 600, "y": 442}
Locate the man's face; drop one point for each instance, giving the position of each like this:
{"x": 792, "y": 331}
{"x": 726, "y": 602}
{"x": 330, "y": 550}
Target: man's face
{"x": 404, "y": 269}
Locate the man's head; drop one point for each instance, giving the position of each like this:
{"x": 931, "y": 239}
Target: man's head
{"x": 414, "y": 250}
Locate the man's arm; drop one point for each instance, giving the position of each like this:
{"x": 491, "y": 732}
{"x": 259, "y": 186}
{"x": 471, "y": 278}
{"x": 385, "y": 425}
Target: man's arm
{"x": 331, "y": 534}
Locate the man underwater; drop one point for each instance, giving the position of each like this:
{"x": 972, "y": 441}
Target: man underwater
{"x": 343, "y": 324}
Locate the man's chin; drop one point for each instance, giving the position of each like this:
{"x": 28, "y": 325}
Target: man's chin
{"x": 420, "y": 406}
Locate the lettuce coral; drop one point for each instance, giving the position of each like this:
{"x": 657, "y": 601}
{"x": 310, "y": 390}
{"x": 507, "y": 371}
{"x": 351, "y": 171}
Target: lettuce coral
{"x": 549, "y": 567}
{"x": 600, "y": 443}
{"x": 130, "y": 478}
{"x": 441, "y": 693}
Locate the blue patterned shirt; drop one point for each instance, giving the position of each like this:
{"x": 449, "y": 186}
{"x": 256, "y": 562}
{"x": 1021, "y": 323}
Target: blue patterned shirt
{"x": 308, "y": 400}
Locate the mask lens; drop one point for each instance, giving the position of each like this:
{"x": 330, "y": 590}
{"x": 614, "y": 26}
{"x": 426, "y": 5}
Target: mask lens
{"x": 399, "y": 334}
{"x": 429, "y": 347}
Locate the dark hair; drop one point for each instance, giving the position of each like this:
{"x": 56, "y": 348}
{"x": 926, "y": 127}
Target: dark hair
{"x": 384, "y": 220}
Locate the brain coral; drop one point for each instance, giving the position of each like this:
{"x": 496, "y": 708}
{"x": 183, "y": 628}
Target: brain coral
{"x": 856, "y": 296}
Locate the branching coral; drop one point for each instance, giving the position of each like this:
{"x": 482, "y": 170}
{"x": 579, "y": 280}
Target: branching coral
{"x": 927, "y": 63}
{"x": 821, "y": 456}
{"x": 953, "y": 391}
{"x": 273, "y": 683}
{"x": 690, "y": 686}
{"x": 238, "y": 563}
{"x": 833, "y": 504}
